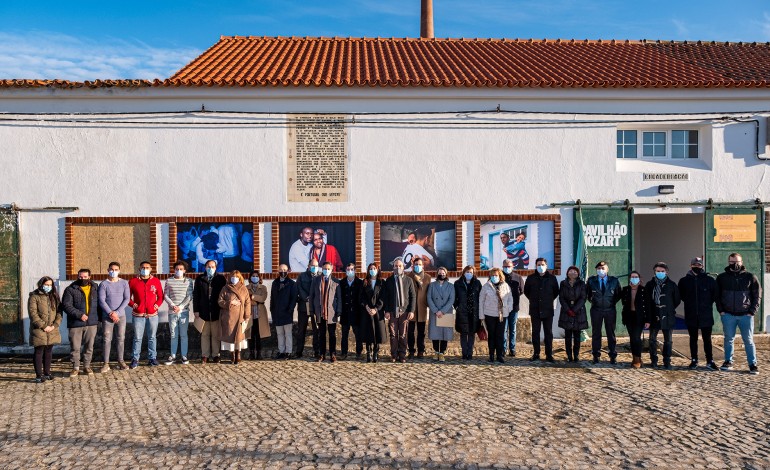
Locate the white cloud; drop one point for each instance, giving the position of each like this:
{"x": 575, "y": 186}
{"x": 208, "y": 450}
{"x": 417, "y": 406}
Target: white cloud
{"x": 46, "y": 55}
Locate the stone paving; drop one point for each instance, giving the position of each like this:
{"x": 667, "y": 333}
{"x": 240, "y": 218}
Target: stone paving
{"x": 301, "y": 414}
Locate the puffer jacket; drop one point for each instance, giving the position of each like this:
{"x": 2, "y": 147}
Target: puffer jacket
{"x": 738, "y": 293}
{"x": 573, "y": 297}
{"x": 74, "y": 305}
{"x": 44, "y": 310}
{"x": 699, "y": 293}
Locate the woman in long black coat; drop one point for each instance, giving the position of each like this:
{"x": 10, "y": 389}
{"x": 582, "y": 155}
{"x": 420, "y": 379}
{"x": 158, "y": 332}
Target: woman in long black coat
{"x": 573, "y": 317}
{"x": 634, "y": 316}
{"x": 373, "y": 329}
{"x": 467, "y": 290}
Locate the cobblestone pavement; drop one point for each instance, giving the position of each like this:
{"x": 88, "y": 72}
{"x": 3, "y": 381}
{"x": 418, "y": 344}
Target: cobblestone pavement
{"x": 295, "y": 414}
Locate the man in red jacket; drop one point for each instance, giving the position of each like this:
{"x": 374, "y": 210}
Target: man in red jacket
{"x": 146, "y": 299}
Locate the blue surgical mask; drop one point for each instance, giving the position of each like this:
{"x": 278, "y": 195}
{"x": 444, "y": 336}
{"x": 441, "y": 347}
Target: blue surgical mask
{"x": 47, "y": 289}
{"x": 418, "y": 269}
{"x": 542, "y": 269}
{"x": 211, "y": 271}
{"x": 634, "y": 281}
{"x": 601, "y": 272}
{"x": 114, "y": 274}
{"x": 373, "y": 272}
{"x": 494, "y": 279}
{"x": 468, "y": 276}
{"x": 660, "y": 275}
{"x": 507, "y": 270}
{"x": 313, "y": 269}
{"x": 255, "y": 279}
{"x": 326, "y": 272}
{"x": 350, "y": 274}
{"x": 144, "y": 272}
{"x": 234, "y": 280}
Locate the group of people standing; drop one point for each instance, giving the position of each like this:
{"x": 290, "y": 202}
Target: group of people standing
{"x": 231, "y": 314}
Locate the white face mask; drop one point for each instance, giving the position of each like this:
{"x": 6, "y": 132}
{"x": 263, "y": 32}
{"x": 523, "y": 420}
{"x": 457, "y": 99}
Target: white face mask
{"x": 542, "y": 269}
{"x": 601, "y": 272}
{"x": 254, "y": 280}
{"x": 234, "y": 280}
{"x": 144, "y": 272}
{"x": 179, "y": 273}
{"x": 114, "y": 274}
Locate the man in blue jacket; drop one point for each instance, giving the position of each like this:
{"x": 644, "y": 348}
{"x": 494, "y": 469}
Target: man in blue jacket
{"x": 603, "y": 293}
{"x": 80, "y": 303}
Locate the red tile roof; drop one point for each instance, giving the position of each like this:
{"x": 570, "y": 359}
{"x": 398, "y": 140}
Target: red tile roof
{"x": 477, "y": 63}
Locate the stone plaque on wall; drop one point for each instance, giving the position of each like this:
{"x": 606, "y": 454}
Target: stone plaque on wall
{"x": 317, "y": 159}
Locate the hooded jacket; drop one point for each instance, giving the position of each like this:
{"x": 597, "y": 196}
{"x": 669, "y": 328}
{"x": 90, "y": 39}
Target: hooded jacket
{"x": 738, "y": 292}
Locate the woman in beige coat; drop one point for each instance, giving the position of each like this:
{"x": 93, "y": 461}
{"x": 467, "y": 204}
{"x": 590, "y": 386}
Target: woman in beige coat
{"x": 44, "y": 318}
{"x": 235, "y": 309}
{"x": 260, "y": 327}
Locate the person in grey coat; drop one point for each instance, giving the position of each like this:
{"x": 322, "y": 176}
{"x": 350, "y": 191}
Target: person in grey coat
{"x": 441, "y": 299}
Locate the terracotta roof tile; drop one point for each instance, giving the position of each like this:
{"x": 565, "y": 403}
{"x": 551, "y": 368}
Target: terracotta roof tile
{"x": 511, "y": 63}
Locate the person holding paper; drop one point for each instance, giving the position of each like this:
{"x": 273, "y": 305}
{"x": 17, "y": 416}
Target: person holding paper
{"x": 441, "y": 299}
{"x": 495, "y": 303}
{"x": 235, "y": 305}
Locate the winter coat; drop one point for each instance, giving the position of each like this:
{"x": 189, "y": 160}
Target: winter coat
{"x": 699, "y": 294}
{"x": 74, "y": 305}
{"x": 373, "y": 328}
{"x": 351, "y": 301}
{"x": 488, "y": 300}
{"x": 573, "y": 298}
{"x": 408, "y": 295}
{"x": 146, "y": 296}
{"x": 334, "y": 300}
{"x": 421, "y": 285}
{"x": 44, "y": 310}
{"x": 283, "y": 299}
{"x": 640, "y": 316}
{"x": 231, "y": 316}
{"x": 516, "y": 283}
{"x": 662, "y": 316}
{"x": 206, "y": 296}
{"x": 304, "y": 283}
{"x": 738, "y": 293}
{"x": 467, "y": 305}
{"x": 542, "y": 291}
{"x": 603, "y": 300}
{"x": 441, "y": 298}
{"x": 258, "y": 295}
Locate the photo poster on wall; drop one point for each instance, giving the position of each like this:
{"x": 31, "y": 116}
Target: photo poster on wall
{"x": 300, "y": 242}
{"x": 434, "y": 242}
{"x": 522, "y": 242}
{"x": 230, "y": 244}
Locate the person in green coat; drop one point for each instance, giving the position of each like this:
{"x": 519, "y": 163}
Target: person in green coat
{"x": 44, "y": 318}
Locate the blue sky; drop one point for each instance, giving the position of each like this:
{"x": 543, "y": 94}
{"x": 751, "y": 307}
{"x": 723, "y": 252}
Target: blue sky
{"x": 86, "y": 40}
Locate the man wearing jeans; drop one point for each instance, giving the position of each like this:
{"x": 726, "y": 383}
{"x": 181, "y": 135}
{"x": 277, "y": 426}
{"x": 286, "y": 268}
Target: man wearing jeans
{"x": 738, "y": 294}
{"x": 79, "y": 303}
{"x": 516, "y": 283}
{"x": 178, "y": 295}
{"x": 114, "y": 295}
{"x": 146, "y": 299}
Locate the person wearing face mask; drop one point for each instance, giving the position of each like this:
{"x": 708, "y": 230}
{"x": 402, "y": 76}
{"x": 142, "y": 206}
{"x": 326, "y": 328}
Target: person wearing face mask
{"x": 350, "y": 318}
{"x": 235, "y": 304}
{"x": 738, "y": 299}
{"x": 441, "y": 299}
{"x": 327, "y": 305}
{"x": 466, "y": 305}
{"x": 260, "y": 327}
{"x": 400, "y": 300}
{"x": 79, "y": 302}
{"x": 178, "y": 295}
{"x": 305, "y": 310}
{"x": 206, "y": 289}
{"x": 114, "y": 295}
{"x": 146, "y": 299}
{"x": 373, "y": 329}
{"x": 603, "y": 291}
{"x": 699, "y": 294}
{"x": 542, "y": 289}
{"x": 495, "y": 303}
{"x": 572, "y": 317}
{"x": 44, "y": 319}
{"x": 283, "y": 299}
{"x": 516, "y": 284}
{"x": 416, "y": 326}
{"x": 662, "y": 301}
{"x": 634, "y": 316}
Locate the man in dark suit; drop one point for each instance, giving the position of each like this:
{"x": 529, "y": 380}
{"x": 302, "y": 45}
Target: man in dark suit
{"x": 350, "y": 291}
{"x": 542, "y": 289}
{"x": 603, "y": 291}
{"x": 326, "y": 303}
{"x": 400, "y": 302}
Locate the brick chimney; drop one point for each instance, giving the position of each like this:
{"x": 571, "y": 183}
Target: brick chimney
{"x": 426, "y": 19}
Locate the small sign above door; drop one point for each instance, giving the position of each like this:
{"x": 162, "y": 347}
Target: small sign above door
{"x": 666, "y": 176}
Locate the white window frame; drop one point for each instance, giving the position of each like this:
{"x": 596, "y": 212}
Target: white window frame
{"x": 669, "y": 143}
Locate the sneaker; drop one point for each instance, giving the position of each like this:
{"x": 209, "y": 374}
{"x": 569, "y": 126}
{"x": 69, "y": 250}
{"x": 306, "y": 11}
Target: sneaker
{"x": 693, "y": 364}
{"x": 105, "y": 368}
{"x": 152, "y": 362}
{"x": 727, "y": 365}
{"x": 88, "y": 371}
{"x": 753, "y": 370}
{"x": 134, "y": 364}
{"x": 170, "y": 360}
{"x": 74, "y": 372}
{"x": 48, "y": 377}
{"x": 712, "y": 365}
{"x": 185, "y": 361}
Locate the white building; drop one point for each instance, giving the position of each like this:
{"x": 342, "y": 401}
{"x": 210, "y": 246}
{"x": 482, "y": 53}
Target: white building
{"x": 470, "y": 131}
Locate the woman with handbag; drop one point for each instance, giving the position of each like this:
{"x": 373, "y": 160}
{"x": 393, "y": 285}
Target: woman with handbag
{"x": 235, "y": 306}
{"x": 495, "y": 303}
{"x": 572, "y": 317}
{"x": 374, "y": 332}
{"x": 466, "y": 305}
{"x": 260, "y": 327}
{"x": 44, "y": 319}
{"x": 441, "y": 299}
